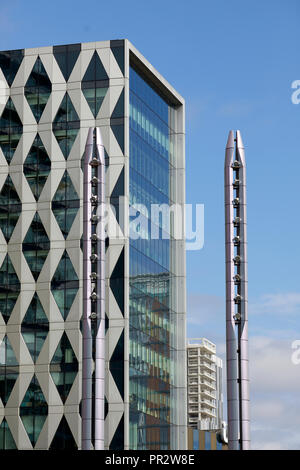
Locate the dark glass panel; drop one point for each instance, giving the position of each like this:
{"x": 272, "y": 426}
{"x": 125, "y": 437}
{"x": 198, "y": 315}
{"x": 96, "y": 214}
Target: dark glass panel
{"x": 94, "y": 96}
{"x": 10, "y": 62}
{"x": 66, "y": 125}
{"x": 37, "y": 167}
{"x": 64, "y": 285}
{"x": 8, "y": 369}
{"x": 36, "y": 246}
{"x": 116, "y": 193}
{"x": 105, "y": 407}
{"x": 95, "y": 84}
{"x": 95, "y": 70}
{"x": 117, "y": 442}
{"x": 11, "y": 129}
{"x": 33, "y": 410}
{"x": 35, "y": 327}
{"x": 118, "y": 130}
{"x": 7, "y": 355}
{"x": 63, "y": 438}
{"x": 118, "y": 111}
{"x": 66, "y": 57}
{"x": 7, "y": 441}
{"x": 117, "y": 282}
{"x": 64, "y": 367}
{"x": 65, "y": 204}
{"x": 117, "y": 47}
{"x": 10, "y": 208}
{"x": 9, "y": 288}
{"x": 38, "y": 89}
{"x": 116, "y": 365}
{"x": 7, "y": 382}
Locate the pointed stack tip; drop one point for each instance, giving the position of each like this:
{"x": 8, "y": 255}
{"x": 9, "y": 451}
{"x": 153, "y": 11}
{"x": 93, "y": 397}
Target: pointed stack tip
{"x": 89, "y": 140}
{"x": 239, "y": 141}
{"x": 99, "y": 140}
{"x": 230, "y": 140}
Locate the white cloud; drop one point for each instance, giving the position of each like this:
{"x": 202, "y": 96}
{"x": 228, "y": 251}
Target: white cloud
{"x": 267, "y": 409}
{"x": 274, "y": 391}
{"x": 271, "y": 366}
{"x": 269, "y": 445}
{"x": 204, "y": 309}
{"x": 279, "y": 304}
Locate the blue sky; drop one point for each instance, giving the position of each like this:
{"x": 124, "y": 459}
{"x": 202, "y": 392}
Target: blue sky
{"x": 234, "y": 63}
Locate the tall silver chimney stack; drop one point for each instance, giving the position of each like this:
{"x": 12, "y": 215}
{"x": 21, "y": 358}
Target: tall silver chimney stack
{"x": 93, "y": 354}
{"x": 238, "y": 403}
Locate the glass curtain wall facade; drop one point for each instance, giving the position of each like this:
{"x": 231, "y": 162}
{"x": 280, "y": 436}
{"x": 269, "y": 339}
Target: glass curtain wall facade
{"x": 151, "y": 319}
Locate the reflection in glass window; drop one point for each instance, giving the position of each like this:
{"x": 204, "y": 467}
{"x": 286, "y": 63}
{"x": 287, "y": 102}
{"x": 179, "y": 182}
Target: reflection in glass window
{"x": 35, "y": 327}
{"x": 38, "y": 89}
{"x": 64, "y": 367}
{"x": 152, "y": 322}
{"x": 37, "y": 167}
{"x": 36, "y": 246}
{"x": 10, "y": 62}
{"x": 66, "y": 57}
{"x": 9, "y": 288}
{"x": 10, "y": 208}
{"x": 11, "y": 129}
{"x": 7, "y": 441}
{"x": 33, "y": 410}
{"x": 66, "y": 125}
{"x": 95, "y": 84}
{"x": 65, "y": 204}
{"x": 9, "y": 369}
{"x": 64, "y": 285}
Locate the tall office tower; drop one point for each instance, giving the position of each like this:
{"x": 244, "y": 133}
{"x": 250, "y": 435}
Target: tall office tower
{"x": 205, "y": 396}
{"x": 238, "y": 404}
{"x": 51, "y": 98}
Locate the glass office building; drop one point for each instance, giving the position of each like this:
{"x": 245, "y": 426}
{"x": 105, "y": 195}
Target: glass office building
{"x": 50, "y": 98}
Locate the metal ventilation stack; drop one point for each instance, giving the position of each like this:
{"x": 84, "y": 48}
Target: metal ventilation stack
{"x": 93, "y": 293}
{"x": 236, "y": 295}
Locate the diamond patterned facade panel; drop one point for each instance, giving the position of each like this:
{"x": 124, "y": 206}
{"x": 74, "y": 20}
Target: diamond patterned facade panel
{"x": 36, "y": 246}
{"x": 39, "y": 160}
{"x": 33, "y": 410}
{"x": 66, "y": 125}
{"x": 38, "y": 89}
{"x": 117, "y": 281}
{"x": 118, "y": 50}
{"x": 95, "y": 84}
{"x": 63, "y": 439}
{"x": 7, "y": 441}
{"x": 67, "y": 89}
{"x": 64, "y": 367}
{"x": 11, "y": 129}
{"x": 35, "y": 327}
{"x": 10, "y": 208}
{"x": 9, "y": 369}
{"x": 66, "y": 57}
{"x": 65, "y": 285}
{"x": 37, "y": 167}
{"x": 65, "y": 204}
{"x": 9, "y": 288}
{"x": 10, "y": 62}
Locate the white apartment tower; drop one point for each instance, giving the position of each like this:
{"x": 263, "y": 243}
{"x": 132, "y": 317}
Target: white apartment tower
{"x": 204, "y": 378}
